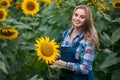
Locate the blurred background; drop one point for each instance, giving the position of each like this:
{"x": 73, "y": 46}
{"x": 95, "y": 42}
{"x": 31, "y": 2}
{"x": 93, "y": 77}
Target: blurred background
{"x": 24, "y": 21}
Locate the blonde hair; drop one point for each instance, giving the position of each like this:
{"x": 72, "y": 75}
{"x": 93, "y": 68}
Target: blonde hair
{"x": 89, "y": 30}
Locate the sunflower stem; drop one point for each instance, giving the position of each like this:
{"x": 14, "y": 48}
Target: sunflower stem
{"x": 49, "y": 71}
{"x": 26, "y": 19}
{"x": 33, "y": 21}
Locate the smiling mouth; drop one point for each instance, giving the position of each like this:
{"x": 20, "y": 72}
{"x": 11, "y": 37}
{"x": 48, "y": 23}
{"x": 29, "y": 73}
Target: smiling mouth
{"x": 77, "y": 22}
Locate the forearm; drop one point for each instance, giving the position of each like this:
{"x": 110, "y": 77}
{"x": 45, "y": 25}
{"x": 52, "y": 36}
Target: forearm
{"x": 79, "y": 68}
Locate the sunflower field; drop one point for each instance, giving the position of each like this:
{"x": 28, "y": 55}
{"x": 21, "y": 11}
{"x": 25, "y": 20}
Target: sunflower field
{"x": 29, "y": 29}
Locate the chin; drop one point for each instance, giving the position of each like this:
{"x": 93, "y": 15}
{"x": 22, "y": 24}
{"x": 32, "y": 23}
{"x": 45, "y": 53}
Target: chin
{"x": 77, "y": 25}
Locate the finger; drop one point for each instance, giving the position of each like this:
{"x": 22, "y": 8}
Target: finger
{"x": 53, "y": 66}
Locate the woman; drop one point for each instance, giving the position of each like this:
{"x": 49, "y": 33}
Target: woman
{"x": 78, "y": 46}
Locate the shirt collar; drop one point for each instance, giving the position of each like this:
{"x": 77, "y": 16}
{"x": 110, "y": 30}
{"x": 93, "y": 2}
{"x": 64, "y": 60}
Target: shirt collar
{"x": 80, "y": 34}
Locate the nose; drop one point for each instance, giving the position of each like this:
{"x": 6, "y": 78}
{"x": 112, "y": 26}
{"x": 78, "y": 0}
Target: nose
{"x": 77, "y": 18}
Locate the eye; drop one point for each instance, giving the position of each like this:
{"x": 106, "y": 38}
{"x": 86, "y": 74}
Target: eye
{"x": 82, "y": 17}
{"x": 76, "y": 14}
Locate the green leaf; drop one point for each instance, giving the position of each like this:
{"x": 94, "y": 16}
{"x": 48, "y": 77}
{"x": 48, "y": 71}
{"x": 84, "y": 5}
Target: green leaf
{"x": 47, "y": 9}
{"x": 110, "y": 60}
{"x": 117, "y": 20}
{"x": 21, "y": 25}
{"x": 3, "y": 76}
{"x": 107, "y": 17}
{"x": 110, "y": 1}
{"x": 26, "y": 18}
{"x": 39, "y": 66}
{"x": 64, "y": 19}
{"x": 3, "y": 67}
{"x": 53, "y": 33}
{"x": 105, "y": 39}
{"x": 100, "y": 5}
{"x": 10, "y": 55}
{"x": 28, "y": 35}
{"x": 35, "y": 78}
{"x": 115, "y": 36}
{"x": 108, "y": 51}
{"x": 99, "y": 26}
{"x": 34, "y": 24}
{"x": 2, "y": 57}
{"x": 72, "y": 4}
{"x": 116, "y": 74}
{"x": 80, "y": 1}
{"x": 10, "y": 20}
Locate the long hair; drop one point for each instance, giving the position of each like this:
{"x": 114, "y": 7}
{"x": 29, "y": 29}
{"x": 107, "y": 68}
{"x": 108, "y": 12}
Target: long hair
{"x": 88, "y": 28}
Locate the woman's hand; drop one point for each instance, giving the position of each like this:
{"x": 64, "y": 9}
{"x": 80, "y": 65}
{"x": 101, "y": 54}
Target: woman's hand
{"x": 60, "y": 63}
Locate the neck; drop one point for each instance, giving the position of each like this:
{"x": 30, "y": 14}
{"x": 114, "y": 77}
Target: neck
{"x": 76, "y": 30}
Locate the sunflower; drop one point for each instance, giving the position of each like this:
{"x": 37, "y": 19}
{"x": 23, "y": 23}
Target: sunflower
{"x": 47, "y": 50}
{"x": 107, "y": 8}
{"x": 3, "y": 14}
{"x": 5, "y": 3}
{"x": 100, "y": 1}
{"x": 94, "y": 1}
{"x": 116, "y": 4}
{"x": 8, "y": 33}
{"x": 59, "y": 1}
{"x": 12, "y": 1}
{"x": 30, "y": 7}
{"x": 89, "y": 3}
{"x": 18, "y": 6}
{"x": 100, "y": 9}
{"x": 47, "y": 1}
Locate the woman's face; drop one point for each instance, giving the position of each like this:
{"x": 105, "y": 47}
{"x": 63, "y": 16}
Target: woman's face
{"x": 79, "y": 18}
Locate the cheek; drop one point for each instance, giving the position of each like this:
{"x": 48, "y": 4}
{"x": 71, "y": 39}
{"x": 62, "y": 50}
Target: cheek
{"x": 84, "y": 20}
{"x": 73, "y": 19}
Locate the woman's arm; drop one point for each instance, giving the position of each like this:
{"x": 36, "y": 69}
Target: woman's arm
{"x": 86, "y": 59}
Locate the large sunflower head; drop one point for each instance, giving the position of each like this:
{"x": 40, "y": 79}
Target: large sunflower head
{"x": 3, "y": 14}
{"x": 8, "y": 33}
{"x": 30, "y": 7}
{"x": 116, "y": 4}
{"x": 4, "y": 3}
{"x": 47, "y": 50}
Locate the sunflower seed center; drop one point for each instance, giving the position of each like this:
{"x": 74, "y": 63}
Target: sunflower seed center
{"x": 6, "y": 32}
{"x": 4, "y": 3}
{"x": 46, "y": 49}
{"x": 117, "y": 4}
{"x": 30, "y": 6}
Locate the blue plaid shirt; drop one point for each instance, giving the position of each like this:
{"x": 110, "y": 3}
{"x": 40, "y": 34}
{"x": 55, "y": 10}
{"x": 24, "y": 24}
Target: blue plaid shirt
{"x": 84, "y": 53}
